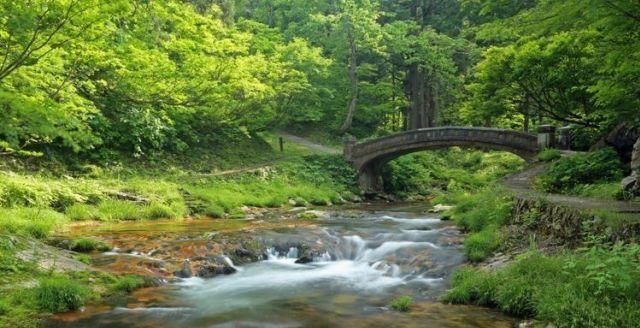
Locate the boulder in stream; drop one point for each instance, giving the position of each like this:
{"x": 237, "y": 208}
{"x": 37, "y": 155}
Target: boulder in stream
{"x": 185, "y": 271}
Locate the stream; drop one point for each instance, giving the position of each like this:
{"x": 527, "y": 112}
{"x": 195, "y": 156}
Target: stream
{"x": 341, "y": 271}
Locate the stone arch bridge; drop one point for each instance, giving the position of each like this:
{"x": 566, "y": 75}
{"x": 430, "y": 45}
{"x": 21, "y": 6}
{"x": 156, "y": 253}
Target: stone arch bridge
{"x": 369, "y": 156}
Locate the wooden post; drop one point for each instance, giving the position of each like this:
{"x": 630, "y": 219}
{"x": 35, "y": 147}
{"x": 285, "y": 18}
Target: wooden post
{"x": 281, "y": 144}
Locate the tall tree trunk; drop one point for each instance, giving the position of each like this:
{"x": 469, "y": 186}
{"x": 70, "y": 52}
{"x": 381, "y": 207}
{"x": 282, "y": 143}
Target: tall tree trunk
{"x": 422, "y": 94}
{"x": 353, "y": 76}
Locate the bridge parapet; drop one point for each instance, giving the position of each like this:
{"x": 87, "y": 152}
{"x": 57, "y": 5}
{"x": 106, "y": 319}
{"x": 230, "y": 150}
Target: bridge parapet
{"x": 369, "y": 156}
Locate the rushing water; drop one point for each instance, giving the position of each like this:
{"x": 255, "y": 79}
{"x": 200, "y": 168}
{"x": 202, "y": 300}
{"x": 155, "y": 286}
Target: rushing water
{"x": 359, "y": 265}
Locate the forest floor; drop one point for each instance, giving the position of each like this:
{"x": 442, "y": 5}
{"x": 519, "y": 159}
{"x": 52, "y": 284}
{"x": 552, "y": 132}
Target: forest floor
{"x": 521, "y": 184}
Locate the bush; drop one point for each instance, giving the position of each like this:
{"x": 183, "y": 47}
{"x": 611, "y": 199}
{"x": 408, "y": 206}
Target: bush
{"x": 402, "y": 303}
{"x": 599, "y": 166}
{"x": 60, "y": 294}
{"x": 549, "y": 155}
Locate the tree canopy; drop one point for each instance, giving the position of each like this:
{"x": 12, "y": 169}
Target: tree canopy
{"x": 146, "y": 76}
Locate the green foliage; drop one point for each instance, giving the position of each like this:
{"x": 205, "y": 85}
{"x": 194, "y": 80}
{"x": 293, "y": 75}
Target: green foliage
{"x": 482, "y": 214}
{"x": 594, "y": 288}
{"x": 402, "y": 303}
{"x": 87, "y": 244}
{"x": 478, "y": 246}
{"x": 564, "y": 61}
{"x": 487, "y": 208}
{"x": 129, "y": 283}
{"x": 595, "y": 167}
{"x": 603, "y": 190}
{"x": 83, "y": 258}
{"x": 447, "y": 170}
{"x": 59, "y": 294}
{"x": 549, "y": 155}
{"x": 318, "y": 179}
{"x": 81, "y": 212}
{"x": 33, "y": 222}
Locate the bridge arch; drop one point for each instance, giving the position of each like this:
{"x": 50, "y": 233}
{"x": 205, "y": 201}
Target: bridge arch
{"x": 368, "y": 157}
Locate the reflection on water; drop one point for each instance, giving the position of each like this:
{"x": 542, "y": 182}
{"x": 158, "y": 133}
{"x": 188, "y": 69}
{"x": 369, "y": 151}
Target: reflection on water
{"x": 357, "y": 267}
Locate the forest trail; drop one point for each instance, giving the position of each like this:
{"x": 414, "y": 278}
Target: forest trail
{"x": 300, "y": 141}
{"x": 316, "y": 147}
{"x": 521, "y": 184}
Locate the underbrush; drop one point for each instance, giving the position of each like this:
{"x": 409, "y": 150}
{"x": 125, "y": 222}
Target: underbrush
{"x": 590, "y": 174}
{"x": 596, "y": 287}
{"x": 481, "y": 214}
{"x": 33, "y": 205}
{"x": 318, "y": 180}
{"x": 452, "y": 170}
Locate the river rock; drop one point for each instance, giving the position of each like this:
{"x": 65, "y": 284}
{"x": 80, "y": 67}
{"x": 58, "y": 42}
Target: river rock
{"x": 185, "y": 272}
{"x": 304, "y": 260}
{"x": 243, "y": 252}
{"x": 212, "y": 270}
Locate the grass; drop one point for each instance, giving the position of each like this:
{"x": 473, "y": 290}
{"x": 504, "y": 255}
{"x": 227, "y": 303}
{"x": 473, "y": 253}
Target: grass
{"x": 402, "y": 303}
{"x": 481, "y": 214}
{"x": 549, "y": 155}
{"x": 597, "y": 287}
{"x": 32, "y": 222}
{"x": 573, "y": 173}
{"x": 87, "y": 244}
{"x": 445, "y": 171}
{"x": 129, "y": 283}
{"x": 59, "y": 294}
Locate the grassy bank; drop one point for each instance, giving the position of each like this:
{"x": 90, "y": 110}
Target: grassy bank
{"x": 592, "y": 283}
{"x": 38, "y": 198}
{"x": 594, "y": 175}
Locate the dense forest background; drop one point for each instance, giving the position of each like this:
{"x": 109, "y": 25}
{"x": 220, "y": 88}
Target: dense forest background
{"x": 145, "y": 77}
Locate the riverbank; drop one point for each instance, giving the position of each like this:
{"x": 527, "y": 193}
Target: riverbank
{"x": 36, "y": 206}
{"x": 344, "y": 268}
{"x": 548, "y": 262}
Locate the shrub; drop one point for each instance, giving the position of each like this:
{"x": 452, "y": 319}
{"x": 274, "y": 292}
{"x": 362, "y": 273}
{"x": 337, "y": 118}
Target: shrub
{"x": 59, "y": 294}
{"x": 599, "y": 166}
{"x": 402, "y": 303}
{"x": 129, "y": 283}
{"x": 549, "y": 155}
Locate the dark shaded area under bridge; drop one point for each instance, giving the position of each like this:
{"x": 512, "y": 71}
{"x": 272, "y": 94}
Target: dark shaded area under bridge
{"x": 368, "y": 157}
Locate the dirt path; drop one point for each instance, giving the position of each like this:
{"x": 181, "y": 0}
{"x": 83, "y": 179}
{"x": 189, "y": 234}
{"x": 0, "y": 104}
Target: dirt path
{"x": 310, "y": 144}
{"x": 315, "y": 147}
{"x": 521, "y": 184}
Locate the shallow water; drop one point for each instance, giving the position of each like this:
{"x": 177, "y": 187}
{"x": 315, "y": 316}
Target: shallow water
{"x": 359, "y": 265}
